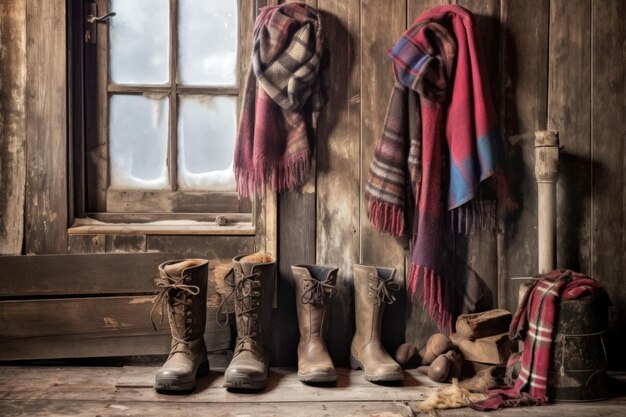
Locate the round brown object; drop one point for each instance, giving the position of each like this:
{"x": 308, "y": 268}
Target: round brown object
{"x": 437, "y": 344}
{"x": 423, "y": 369}
{"x": 455, "y": 363}
{"x": 439, "y": 370}
{"x": 406, "y": 355}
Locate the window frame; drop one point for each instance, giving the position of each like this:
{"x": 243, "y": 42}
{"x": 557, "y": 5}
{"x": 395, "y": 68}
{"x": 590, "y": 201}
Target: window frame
{"x": 98, "y": 209}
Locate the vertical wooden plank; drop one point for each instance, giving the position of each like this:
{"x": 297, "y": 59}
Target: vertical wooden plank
{"x": 381, "y": 26}
{"x": 12, "y": 125}
{"x": 86, "y": 244}
{"x": 172, "y": 154}
{"x": 97, "y": 135}
{"x": 477, "y": 256}
{"x": 296, "y": 245}
{"x": 526, "y": 102}
{"x": 338, "y": 154}
{"x": 569, "y": 112}
{"x": 46, "y": 132}
{"x": 419, "y": 326}
{"x": 607, "y": 171}
{"x": 126, "y": 243}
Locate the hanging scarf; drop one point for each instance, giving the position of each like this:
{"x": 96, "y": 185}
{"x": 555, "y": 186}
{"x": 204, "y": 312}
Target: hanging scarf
{"x": 440, "y": 97}
{"x": 281, "y": 102}
{"x": 534, "y": 323}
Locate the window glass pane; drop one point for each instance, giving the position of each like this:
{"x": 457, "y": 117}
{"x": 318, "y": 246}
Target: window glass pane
{"x": 139, "y": 41}
{"x": 206, "y": 142}
{"x": 207, "y": 42}
{"x": 138, "y": 135}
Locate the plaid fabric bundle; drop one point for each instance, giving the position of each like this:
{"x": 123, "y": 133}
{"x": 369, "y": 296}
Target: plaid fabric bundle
{"x": 534, "y": 323}
{"x": 282, "y": 100}
{"x": 440, "y": 97}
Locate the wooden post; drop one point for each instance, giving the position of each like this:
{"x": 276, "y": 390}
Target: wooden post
{"x": 547, "y": 173}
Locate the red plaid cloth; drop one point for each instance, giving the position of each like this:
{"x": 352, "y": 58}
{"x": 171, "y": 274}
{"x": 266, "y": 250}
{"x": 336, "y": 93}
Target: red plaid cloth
{"x": 534, "y": 322}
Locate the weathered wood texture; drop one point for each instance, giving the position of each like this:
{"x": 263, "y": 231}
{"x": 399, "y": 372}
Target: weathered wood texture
{"x": 419, "y": 325}
{"x": 296, "y": 245}
{"x": 338, "y": 187}
{"x": 527, "y": 27}
{"x": 46, "y": 129}
{"x": 477, "y": 254}
{"x": 552, "y": 64}
{"x": 114, "y": 321}
{"x": 70, "y": 391}
{"x": 608, "y": 153}
{"x": 12, "y": 125}
{"x": 88, "y": 327}
{"x": 569, "y": 112}
{"x": 376, "y": 85}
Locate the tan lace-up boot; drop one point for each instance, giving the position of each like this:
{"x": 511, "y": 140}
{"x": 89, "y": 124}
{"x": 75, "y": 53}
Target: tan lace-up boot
{"x": 183, "y": 285}
{"x": 253, "y": 288}
{"x": 372, "y": 290}
{"x": 315, "y": 285}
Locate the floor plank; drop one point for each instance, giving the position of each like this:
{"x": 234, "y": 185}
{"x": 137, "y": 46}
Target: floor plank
{"x": 112, "y": 391}
{"x": 39, "y": 408}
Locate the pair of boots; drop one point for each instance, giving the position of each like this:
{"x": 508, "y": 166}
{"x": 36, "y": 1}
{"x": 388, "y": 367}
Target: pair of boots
{"x": 183, "y": 291}
{"x": 183, "y": 285}
{"x": 315, "y": 285}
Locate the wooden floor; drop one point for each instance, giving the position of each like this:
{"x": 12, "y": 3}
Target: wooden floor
{"x": 127, "y": 391}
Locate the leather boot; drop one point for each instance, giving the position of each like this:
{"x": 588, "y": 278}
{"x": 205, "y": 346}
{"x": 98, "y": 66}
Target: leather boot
{"x": 183, "y": 285}
{"x": 372, "y": 290}
{"x": 315, "y": 285}
{"x": 253, "y": 288}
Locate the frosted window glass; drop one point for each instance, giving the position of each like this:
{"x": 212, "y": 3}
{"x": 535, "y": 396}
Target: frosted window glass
{"x": 138, "y": 142}
{"x": 206, "y": 142}
{"x": 207, "y": 42}
{"x": 139, "y": 41}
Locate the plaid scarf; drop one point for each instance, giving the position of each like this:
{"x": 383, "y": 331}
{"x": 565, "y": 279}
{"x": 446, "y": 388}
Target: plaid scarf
{"x": 282, "y": 100}
{"x": 534, "y": 323}
{"x": 440, "y": 97}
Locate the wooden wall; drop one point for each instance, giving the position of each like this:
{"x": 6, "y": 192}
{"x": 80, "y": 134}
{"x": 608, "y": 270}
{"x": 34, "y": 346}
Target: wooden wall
{"x": 552, "y": 64}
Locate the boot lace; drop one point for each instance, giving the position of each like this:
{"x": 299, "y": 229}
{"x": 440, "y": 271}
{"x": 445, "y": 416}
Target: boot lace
{"x": 317, "y": 292}
{"x": 174, "y": 293}
{"x": 381, "y": 290}
{"x": 247, "y": 304}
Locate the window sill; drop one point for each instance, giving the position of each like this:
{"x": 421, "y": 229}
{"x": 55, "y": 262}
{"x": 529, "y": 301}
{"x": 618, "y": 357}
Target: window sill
{"x": 89, "y": 226}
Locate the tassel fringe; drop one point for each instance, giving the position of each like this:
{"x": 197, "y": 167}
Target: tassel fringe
{"x": 435, "y": 298}
{"x": 386, "y": 217}
{"x": 474, "y": 216}
{"x": 281, "y": 177}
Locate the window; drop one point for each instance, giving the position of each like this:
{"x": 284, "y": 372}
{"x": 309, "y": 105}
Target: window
{"x": 160, "y": 92}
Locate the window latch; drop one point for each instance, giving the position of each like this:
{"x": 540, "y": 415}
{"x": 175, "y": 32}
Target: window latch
{"x": 101, "y": 19}
{"x": 91, "y": 21}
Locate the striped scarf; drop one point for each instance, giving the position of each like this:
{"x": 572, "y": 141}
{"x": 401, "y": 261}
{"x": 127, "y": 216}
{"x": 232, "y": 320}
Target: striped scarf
{"x": 440, "y": 97}
{"x": 282, "y": 100}
{"x": 534, "y": 322}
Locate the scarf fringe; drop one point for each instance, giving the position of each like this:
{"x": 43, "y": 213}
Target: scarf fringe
{"x": 278, "y": 178}
{"x": 386, "y": 217}
{"x": 474, "y": 216}
{"x": 435, "y": 298}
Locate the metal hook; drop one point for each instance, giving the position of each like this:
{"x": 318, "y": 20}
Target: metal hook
{"x": 101, "y": 19}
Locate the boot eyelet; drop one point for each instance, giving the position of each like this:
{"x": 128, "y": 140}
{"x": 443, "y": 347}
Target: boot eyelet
{"x": 189, "y": 313}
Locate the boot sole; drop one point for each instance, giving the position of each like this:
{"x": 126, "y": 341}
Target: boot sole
{"x": 244, "y": 382}
{"x": 386, "y": 377}
{"x": 173, "y": 385}
{"x": 317, "y": 377}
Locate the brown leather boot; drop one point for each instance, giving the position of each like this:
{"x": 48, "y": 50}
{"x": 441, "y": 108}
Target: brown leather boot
{"x": 253, "y": 288}
{"x": 183, "y": 285}
{"x": 372, "y": 290}
{"x": 315, "y": 285}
